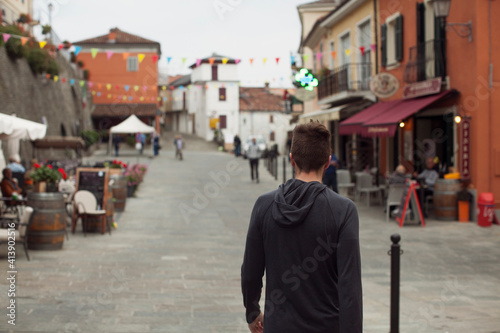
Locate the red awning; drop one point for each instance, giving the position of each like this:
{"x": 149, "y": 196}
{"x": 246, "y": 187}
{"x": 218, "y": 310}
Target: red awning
{"x": 385, "y": 123}
{"x": 354, "y": 124}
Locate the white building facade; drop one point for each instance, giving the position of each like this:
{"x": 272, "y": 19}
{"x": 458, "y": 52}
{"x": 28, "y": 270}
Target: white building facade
{"x": 12, "y": 9}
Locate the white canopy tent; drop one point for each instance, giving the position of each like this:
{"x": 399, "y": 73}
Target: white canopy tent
{"x": 130, "y": 125}
{"x": 14, "y": 129}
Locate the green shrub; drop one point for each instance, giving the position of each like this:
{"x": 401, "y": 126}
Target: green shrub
{"x": 90, "y": 137}
{"x": 14, "y": 48}
{"x": 46, "y": 29}
{"x": 53, "y": 68}
{"x": 41, "y": 62}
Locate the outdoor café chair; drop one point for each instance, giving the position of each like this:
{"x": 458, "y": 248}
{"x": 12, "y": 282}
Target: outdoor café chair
{"x": 364, "y": 184}
{"x": 22, "y": 233}
{"x": 85, "y": 205}
{"x": 344, "y": 181}
{"x": 394, "y": 198}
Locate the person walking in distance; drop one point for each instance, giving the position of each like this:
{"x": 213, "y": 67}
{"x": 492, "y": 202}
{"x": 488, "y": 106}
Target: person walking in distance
{"x": 305, "y": 237}
{"x": 253, "y": 155}
{"x": 330, "y": 177}
{"x": 179, "y": 144}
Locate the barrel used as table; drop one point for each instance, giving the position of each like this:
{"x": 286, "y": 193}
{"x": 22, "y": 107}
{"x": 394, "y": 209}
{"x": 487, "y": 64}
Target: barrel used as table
{"x": 445, "y": 199}
{"x": 49, "y": 221}
{"x": 94, "y": 222}
{"x": 119, "y": 189}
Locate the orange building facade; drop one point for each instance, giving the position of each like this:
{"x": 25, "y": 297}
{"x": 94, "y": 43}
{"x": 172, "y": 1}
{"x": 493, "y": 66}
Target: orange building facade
{"x": 122, "y": 76}
{"x": 460, "y": 126}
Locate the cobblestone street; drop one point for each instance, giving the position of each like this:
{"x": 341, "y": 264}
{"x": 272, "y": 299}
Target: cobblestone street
{"x": 173, "y": 263}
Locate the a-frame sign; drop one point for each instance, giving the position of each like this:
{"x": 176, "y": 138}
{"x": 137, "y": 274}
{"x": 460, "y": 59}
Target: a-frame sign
{"x": 410, "y": 198}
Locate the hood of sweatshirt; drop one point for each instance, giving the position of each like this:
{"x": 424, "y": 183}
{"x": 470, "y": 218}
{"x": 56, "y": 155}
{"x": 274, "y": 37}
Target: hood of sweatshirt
{"x": 293, "y": 201}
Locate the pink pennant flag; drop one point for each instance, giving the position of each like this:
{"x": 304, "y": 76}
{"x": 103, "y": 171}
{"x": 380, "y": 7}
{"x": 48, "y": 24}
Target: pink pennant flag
{"x": 198, "y": 62}
{"x": 109, "y": 54}
{"x": 6, "y": 37}
{"x": 277, "y": 60}
{"x": 144, "y": 88}
{"x": 319, "y": 55}
{"x": 237, "y": 61}
{"x": 91, "y": 84}
{"x": 373, "y": 46}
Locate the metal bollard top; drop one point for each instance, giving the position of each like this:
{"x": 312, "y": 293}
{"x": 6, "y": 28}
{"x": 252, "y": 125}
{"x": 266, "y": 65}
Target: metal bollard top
{"x": 395, "y": 238}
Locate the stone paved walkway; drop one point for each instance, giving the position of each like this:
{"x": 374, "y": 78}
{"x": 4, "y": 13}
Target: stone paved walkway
{"x": 173, "y": 264}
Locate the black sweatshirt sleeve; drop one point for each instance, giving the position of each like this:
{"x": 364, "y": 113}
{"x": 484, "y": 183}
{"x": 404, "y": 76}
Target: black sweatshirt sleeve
{"x": 349, "y": 270}
{"x": 253, "y": 267}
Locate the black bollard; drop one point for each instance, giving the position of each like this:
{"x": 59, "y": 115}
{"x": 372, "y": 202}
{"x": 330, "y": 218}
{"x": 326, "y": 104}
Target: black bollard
{"x": 395, "y": 254}
{"x": 284, "y": 170}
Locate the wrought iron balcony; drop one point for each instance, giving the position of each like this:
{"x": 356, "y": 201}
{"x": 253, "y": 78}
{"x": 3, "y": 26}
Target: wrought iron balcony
{"x": 427, "y": 61}
{"x": 346, "y": 78}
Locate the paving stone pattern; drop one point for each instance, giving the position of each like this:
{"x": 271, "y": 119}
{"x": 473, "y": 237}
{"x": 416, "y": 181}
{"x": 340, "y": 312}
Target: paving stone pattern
{"x": 173, "y": 264}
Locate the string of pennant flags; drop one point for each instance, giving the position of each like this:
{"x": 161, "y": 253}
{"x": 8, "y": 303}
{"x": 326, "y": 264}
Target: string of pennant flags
{"x": 141, "y": 56}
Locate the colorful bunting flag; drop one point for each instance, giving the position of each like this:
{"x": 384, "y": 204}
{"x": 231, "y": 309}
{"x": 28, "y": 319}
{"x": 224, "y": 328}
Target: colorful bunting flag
{"x": 168, "y": 60}
{"x": 63, "y": 80}
{"x": 347, "y": 52}
{"x": 6, "y": 37}
{"x": 305, "y": 57}
{"x": 141, "y": 56}
{"x": 108, "y": 86}
{"x": 77, "y": 49}
{"x": 198, "y": 62}
{"x": 127, "y": 87}
{"x": 117, "y": 87}
{"x": 99, "y": 86}
{"x": 373, "y": 47}
{"x": 136, "y": 88}
{"x": 183, "y": 60}
{"x": 93, "y": 92}
{"x": 265, "y": 59}
{"x": 82, "y": 83}
{"x": 109, "y": 54}
{"x": 24, "y": 40}
{"x": 59, "y": 47}
{"x": 251, "y": 61}
{"x": 237, "y": 61}
{"x": 277, "y": 61}
{"x": 155, "y": 58}
{"x": 94, "y": 52}
{"x": 163, "y": 87}
{"x": 362, "y": 49}
{"x": 142, "y": 98}
{"x": 144, "y": 88}
{"x": 125, "y": 55}
{"x": 56, "y": 78}
{"x": 42, "y": 43}
{"x": 109, "y": 96}
{"x": 224, "y": 61}
{"x": 91, "y": 84}
{"x": 47, "y": 76}
{"x": 211, "y": 61}
{"x": 98, "y": 94}
{"x": 292, "y": 59}
{"x": 72, "y": 81}
{"x": 334, "y": 54}
{"x": 319, "y": 55}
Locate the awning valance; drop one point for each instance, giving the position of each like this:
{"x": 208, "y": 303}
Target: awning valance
{"x": 321, "y": 115}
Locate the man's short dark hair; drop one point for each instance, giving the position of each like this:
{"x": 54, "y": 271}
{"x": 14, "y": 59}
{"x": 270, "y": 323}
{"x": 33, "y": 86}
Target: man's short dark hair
{"x": 311, "y": 146}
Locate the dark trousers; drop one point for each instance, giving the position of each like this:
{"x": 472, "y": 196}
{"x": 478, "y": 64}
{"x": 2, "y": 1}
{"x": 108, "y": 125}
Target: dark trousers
{"x": 330, "y": 180}
{"x": 254, "y": 165}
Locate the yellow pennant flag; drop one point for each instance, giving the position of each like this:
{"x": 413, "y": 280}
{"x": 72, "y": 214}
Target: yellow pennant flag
{"x": 108, "y": 86}
{"x": 265, "y": 59}
{"x": 164, "y": 87}
{"x": 93, "y": 92}
{"x": 42, "y": 44}
{"x": 56, "y": 78}
{"x": 142, "y": 98}
{"x": 109, "y": 96}
{"x": 124, "y": 97}
{"x": 347, "y": 52}
{"x": 125, "y": 55}
{"x": 159, "y": 99}
{"x": 136, "y": 88}
{"x": 141, "y": 57}
{"x": 94, "y": 52}
{"x": 224, "y": 61}
{"x": 24, "y": 40}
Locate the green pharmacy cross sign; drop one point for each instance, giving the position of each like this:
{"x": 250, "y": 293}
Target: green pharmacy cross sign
{"x": 306, "y": 79}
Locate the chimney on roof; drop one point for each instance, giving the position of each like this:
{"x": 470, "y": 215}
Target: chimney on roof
{"x": 112, "y": 36}
{"x": 266, "y": 85}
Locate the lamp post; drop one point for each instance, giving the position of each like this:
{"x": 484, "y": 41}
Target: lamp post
{"x": 442, "y": 10}
{"x": 51, "y": 6}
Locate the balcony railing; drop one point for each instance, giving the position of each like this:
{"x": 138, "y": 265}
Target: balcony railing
{"x": 346, "y": 78}
{"x": 427, "y": 61}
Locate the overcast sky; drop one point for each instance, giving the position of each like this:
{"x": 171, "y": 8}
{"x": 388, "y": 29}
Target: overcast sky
{"x": 192, "y": 29}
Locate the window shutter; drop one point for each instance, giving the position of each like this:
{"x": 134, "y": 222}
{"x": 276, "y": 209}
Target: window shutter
{"x": 399, "y": 38}
{"x": 383, "y": 42}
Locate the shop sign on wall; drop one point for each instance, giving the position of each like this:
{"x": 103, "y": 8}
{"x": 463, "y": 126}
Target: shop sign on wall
{"x": 465, "y": 151}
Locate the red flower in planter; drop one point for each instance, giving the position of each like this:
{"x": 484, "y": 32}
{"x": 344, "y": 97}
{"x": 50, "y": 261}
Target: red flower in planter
{"x": 36, "y": 165}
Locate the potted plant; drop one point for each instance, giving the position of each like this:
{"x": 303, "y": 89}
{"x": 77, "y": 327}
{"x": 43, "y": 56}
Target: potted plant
{"x": 116, "y": 167}
{"x": 46, "y": 178}
{"x": 134, "y": 176}
{"x": 463, "y": 198}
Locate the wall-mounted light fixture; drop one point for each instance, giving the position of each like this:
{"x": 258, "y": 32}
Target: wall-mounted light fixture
{"x": 442, "y": 10}
{"x": 458, "y": 119}
{"x": 402, "y": 124}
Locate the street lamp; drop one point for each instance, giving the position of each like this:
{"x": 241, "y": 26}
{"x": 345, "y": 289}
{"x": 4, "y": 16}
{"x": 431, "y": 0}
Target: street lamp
{"x": 51, "y": 6}
{"x": 442, "y": 10}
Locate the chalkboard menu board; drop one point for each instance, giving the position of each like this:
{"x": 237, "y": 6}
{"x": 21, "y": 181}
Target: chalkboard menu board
{"x": 94, "y": 180}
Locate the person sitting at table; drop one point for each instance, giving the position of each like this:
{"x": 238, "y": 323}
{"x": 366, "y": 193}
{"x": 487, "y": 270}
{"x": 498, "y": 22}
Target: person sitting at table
{"x": 399, "y": 176}
{"x": 9, "y": 187}
{"x": 15, "y": 164}
{"x": 429, "y": 175}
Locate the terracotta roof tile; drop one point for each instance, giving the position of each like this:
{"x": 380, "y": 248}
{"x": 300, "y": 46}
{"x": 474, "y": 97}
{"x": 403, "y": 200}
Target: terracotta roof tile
{"x": 124, "y": 110}
{"x": 260, "y": 99}
{"x": 120, "y": 37}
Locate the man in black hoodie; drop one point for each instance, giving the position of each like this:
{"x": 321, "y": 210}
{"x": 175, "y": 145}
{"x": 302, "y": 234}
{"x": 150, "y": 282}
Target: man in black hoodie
{"x": 306, "y": 238}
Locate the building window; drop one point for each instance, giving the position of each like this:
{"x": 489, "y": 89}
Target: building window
{"x": 392, "y": 40}
{"x": 332, "y": 60}
{"x": 214, "y": 73}
{"x": 271, "y": 136}
{"x": 222, "y": 94}
{"x": 345, "y": 44}
{"x": 132, "y": 64}
{"x": 271, "y": 119}
{"x": 222, "y": 122}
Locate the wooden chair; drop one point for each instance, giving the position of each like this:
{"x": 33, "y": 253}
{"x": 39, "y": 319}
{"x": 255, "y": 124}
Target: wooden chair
{"x": 85, "y": 205}
{"x": 22, "y": 233}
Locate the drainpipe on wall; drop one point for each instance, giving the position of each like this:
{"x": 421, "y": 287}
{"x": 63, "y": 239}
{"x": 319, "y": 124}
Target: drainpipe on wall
{"x": 490, "y": 115}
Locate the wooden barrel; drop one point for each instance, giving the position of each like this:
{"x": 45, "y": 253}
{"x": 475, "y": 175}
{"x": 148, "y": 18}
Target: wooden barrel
{"x": 49, "y": 221}
{"x": 445, "y": 199}
{"x": 119, "y": 189}
{"x": 94, "y": 222}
